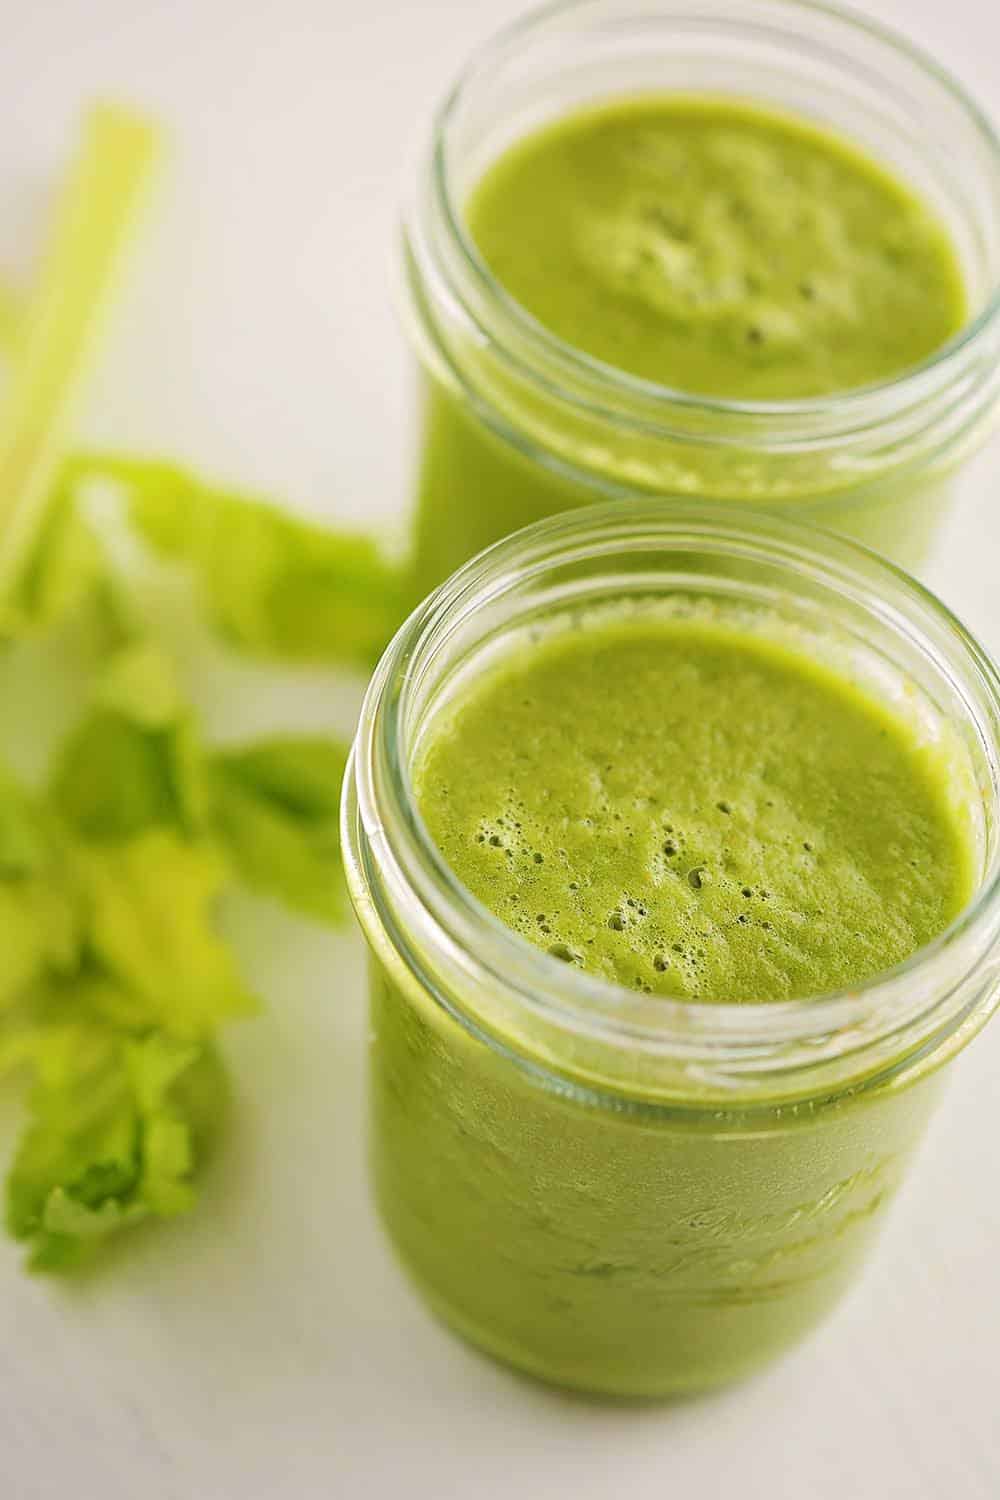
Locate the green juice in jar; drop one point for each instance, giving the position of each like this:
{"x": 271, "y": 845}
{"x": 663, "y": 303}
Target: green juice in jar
{"x": 711, "y": 248}
{"x": 684, "y": 811}
{"x": 692, "y": 812}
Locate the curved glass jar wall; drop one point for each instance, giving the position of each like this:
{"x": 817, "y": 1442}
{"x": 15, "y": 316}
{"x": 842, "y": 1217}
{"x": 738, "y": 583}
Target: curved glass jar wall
{"x": 614, "y": 1191}
{"x": 518, "y": 425}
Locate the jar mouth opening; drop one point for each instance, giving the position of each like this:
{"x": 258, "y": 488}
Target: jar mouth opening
{"x": 901, "y": 390}
{"x": 924, "y": 990}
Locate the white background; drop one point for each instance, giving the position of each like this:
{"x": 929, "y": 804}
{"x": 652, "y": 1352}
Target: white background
{"x": 268, "y": 1347}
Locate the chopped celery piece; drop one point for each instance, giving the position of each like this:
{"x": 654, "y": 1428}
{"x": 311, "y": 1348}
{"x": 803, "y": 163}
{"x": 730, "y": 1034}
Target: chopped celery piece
{"x": 95, "y": 212}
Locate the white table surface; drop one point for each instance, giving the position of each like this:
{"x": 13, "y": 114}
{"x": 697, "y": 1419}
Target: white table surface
{"x": 268, "y": 1347}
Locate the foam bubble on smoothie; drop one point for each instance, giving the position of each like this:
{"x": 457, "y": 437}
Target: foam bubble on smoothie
{"x": 688, "y": 811}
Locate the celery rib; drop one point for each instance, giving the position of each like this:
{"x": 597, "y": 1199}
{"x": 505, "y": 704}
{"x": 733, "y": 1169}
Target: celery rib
{"x": 55, "y": 333}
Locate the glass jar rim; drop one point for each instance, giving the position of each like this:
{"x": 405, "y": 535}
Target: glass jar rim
{"x": 869, "y": 1024}
{"x": 910, "y": 387}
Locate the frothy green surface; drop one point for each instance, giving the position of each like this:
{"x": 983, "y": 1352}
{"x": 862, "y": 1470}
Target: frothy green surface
{"x": 718, "y": 248}
{"x": 690, "y": 811}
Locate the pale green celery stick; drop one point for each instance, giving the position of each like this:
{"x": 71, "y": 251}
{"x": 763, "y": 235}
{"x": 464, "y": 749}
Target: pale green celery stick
{"x": 64, "y": 569}
{"x": 94, "y": 214}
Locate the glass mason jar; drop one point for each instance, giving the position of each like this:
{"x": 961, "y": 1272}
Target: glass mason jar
{"x": 620, "y": 1192}
{"x": 518, "y": 425}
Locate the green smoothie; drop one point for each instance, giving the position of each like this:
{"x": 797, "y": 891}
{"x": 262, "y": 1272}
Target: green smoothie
{"x": 687, "y": 808}
{"x": 719, "y": 249}
{"x": 693, "y": 813}
{"x": 715, "y": 248}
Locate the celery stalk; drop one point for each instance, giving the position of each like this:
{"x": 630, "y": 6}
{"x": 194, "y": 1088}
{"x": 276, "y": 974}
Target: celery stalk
{"x": 93, "y": 216}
